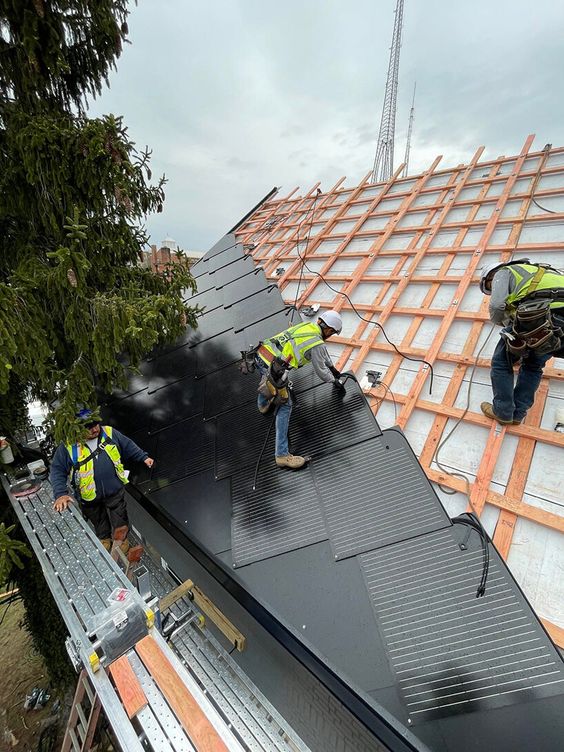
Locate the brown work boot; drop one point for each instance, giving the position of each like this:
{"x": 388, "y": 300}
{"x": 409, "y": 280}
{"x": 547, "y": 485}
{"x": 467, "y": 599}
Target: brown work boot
{"x": 107, "y": 543}
{"x": 487, "y": 409}
{"x": 135, "y": 553}
{"x": 292, "y": 461}
{"x": 517, "y": 422}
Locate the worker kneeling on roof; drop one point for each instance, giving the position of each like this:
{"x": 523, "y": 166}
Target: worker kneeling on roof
{"x": 95, "y": 469}
{"x": 528, "y": 300}
{"x": 294, "y": 348}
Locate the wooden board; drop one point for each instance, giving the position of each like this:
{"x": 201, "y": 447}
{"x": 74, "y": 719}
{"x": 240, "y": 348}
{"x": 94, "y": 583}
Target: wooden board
{"x": 235, "y": 637}
{"x": 202, "y": 734}
{"x": 222, "y": 622}
{"x": 128, "y": 686}
{"x": 170, "y": 598}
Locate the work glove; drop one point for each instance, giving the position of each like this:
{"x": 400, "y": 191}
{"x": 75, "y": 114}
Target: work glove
{"x": 339, "y": 386}
{"x": 334, "y": 372}
{"x": 348, "y": 375}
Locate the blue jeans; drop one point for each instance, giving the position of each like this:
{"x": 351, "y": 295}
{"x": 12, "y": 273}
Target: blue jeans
{"x": 282, "y": 416}
{"x": 511, "y": 401}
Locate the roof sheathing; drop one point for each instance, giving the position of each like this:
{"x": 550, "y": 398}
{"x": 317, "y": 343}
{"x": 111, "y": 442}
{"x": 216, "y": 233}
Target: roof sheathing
{"x": 407, "y": 253}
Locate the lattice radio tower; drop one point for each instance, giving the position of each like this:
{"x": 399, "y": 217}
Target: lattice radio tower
{"x": 384, "y": 159}
{"x": 409, "y": 132}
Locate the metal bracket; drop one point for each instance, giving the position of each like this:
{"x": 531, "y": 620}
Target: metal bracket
{"x": 463, "y": 545}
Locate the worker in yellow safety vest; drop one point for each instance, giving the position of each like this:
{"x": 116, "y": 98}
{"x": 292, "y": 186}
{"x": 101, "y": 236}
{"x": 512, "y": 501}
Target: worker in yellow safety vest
{"x": 527, "y": 299}
{"x": 294, "y": 348}
{"x": 95, "y": 469}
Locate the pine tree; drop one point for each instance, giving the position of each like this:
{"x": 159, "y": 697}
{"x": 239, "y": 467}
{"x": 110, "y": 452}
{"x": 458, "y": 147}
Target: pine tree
{"x": 74, "y": 193}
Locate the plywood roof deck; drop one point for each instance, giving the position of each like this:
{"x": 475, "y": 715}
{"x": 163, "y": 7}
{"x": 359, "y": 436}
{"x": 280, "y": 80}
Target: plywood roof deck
{"x": 408, "y": 254}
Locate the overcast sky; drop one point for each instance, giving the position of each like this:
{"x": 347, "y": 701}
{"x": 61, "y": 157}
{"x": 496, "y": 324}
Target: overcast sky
{"x": 236, "y": 96}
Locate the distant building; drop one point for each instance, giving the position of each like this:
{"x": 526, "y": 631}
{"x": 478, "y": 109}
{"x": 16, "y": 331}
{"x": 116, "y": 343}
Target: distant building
{"x": 157, "y": 258}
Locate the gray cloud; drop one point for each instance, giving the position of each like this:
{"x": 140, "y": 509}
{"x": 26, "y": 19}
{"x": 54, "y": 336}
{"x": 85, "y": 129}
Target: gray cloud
{"x": 236, "y": 96}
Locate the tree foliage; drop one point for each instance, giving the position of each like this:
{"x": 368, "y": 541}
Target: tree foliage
{"x": 74, "y": 193}
{"x": 11, "y": 552}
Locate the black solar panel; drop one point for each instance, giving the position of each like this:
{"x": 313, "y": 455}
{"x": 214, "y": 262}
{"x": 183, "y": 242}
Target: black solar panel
{"x": 184, "y": 449}
{"x": 282, "y": 515}
{"x": 232, "y": 270}
{"x": 210, "y": 324}
{"x": 326, "y": 420}
{"x": 227, "y": 389}
{"x": 453, "y": 652}
{"x": 218, "y": 258}
{"x": 208, "y": 299}
{"x": 375, "y": 494}
{"x": 177, "y": 401}
{"x": 260, "y": 306}
{"x": 244, "y": 287}
{"x": 216, "y": 352}
{"x": 130, "y": 414}
{"x": 137, "y": 380}
{"x": 240, "y": 435}
{"x": 172, "y": 366}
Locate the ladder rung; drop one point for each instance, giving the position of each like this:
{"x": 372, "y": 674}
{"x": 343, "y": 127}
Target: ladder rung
{"x": 87, "y": 687}
{"x": 76, "y": 745}
{"x": 83, "y": 725}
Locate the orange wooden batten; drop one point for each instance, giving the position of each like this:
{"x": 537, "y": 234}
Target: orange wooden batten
{"x": 495, "y": 194}
{"x": 201, "y": 732}
{"x": 128, "y": 686}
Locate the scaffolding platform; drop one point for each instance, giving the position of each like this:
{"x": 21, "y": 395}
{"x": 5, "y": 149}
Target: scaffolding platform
{"x": 108, "y": 621}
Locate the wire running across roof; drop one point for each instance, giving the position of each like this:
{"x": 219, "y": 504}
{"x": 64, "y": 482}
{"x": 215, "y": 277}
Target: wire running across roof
{"x": 297, "y": 550}
{"x": 408, "y": 254}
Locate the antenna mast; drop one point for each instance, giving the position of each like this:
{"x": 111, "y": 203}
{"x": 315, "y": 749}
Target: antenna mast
{"x": 384, "y": 159}
{"x": 409, "y": 130}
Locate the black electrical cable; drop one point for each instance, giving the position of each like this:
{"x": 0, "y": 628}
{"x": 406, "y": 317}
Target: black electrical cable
{"x": 312, "y": 210}
{"x": 263, "y": 448}
{"x": 369, "y": 321}
{"x": 389, "y": 391}
{"x": 550, "y": 211}
{"x": 473, "y": 521}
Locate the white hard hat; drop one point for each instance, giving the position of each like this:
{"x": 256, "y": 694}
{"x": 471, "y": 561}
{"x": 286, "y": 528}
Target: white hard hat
{"x": 332, "y": 319}
{"x": 485, "y": 273}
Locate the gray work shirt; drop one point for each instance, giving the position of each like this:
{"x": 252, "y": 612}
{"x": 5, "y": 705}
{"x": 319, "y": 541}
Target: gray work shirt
{"x": 503, "y": 284}
{"x": 321, "y": 361}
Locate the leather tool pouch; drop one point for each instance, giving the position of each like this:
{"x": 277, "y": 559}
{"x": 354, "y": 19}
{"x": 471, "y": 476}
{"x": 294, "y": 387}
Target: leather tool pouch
{"x": 534, "y": 329}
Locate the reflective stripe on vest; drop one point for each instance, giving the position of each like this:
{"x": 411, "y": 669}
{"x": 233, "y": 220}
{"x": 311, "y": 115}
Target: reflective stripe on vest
{"x": 295, "y": 342}
{"x": 85, "y": 473}
{"x": 525, "y": 276}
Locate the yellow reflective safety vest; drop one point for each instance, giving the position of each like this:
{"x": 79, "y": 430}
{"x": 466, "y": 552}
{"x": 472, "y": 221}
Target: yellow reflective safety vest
{"x": 294, "y": 343}
{"x": 530, "y": 278}
{"x": 84, "y": 471}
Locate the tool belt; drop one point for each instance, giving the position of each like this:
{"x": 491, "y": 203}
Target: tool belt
{"x": 275, "y": 385}
{"x": 534, "y": 329}
{"x": 247, "y": 363}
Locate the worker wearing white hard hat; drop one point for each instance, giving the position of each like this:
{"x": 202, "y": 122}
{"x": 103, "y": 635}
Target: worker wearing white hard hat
{"x": 294, "y": 348}
{"x": 527, "y": 299}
